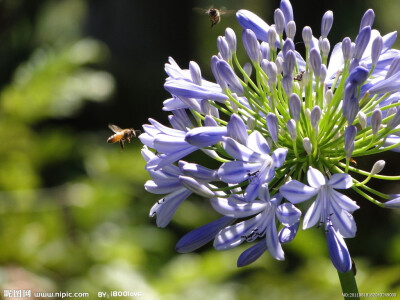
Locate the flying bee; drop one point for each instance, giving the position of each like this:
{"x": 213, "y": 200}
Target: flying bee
{"x": 214, "y": 14}
{"x": 121, "y": 135}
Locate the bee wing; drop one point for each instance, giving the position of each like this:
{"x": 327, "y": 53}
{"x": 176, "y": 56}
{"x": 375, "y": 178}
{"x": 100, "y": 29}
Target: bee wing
{"x": 200, "y": 10}
{"x": 114, "y": 128}
{"x": 224, "y": 11}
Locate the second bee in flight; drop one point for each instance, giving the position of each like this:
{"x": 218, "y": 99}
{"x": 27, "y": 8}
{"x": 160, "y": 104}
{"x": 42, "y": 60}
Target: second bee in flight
{"x": 121, "y": 135}
{"x": 214, "y": 14}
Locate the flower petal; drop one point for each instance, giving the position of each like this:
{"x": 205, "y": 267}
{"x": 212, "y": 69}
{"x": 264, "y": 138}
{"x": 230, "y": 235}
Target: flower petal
{"x": 343, "y": 201}
{"x": 258, "y": 143}
{"x": 241, "y": 152}
{"x": 340, "y": 181}
{"x": 234, "y": 235}
{"x": 252, "y": 254}
{"x": 273, "y": 244}
{"x": 237, "y": 171}
{"x": 297, "y": 192}
{"x": 338, "y": 251}
{"x": 288, "y": 214}
{"x": 315, "y": 178}
{"x": 205, "y": 136}
{"x": 234, "y": 207}
{"x": 166, "y": 207}
{"x": 288, "y": 233}
{"x": 183, "y": 88}
{"x": 313, "y": 215}
{"x": 202, "y": 235}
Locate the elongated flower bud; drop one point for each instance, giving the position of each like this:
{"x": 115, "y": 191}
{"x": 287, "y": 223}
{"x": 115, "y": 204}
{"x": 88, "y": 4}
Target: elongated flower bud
{"x": 291, "y": 126}
{"x": 346, "y": 49}
{"x": 223, "y": 48}
{"x": 376, "y": 121}
{"x": 307, "y": 145}
{"x": 295, "y": 106}
{"x": 362, "y": 118}
{"x": 376, "y": 49}
{"x": 265, "y": 51}
{"x": 272, "y": 124}
{"x": 226, "y": 72}
{"x": 378, "y": 167}
{"x": 272, "y": 37}
{"x": 251, "y": 45}
{"x": 291, "y": 30}
{"x": 287, "y": 46}
{"x": 287, "y": 10}
{"x": 315, "y": 61}
{"x": 349, "y": 136}
{"x": 362, "y": 41}
{"x": 315, "y": 116}
{"x": 279, "y": 20}
{"x": 230, "y": 37}
{"x": 307, "y": 36}
{"x": 287, "y": 84}
{"x": 367, "y": 19}
{"x": 325, "y": 47}
{"x": 289, "y": 63}
{"x": 326, "y": 23}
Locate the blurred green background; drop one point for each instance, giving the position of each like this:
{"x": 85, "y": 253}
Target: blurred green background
{"x": 74, "y": 213}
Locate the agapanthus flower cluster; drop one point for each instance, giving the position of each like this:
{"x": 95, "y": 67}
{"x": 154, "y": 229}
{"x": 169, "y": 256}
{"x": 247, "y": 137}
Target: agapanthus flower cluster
{"x": 283, "y": 129}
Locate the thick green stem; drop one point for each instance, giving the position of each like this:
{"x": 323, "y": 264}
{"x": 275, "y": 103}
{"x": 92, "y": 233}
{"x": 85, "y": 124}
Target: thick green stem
{"x": 349, "y": 285}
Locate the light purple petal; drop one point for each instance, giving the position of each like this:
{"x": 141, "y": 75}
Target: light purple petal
{"x": 251, "y": 191}
{"x": 297, "y": 192}
{"x": 288, "y": 214}
{"x": 196, "y": 187}
{"x": 340, "y": 181}
{"x": 163, "y": 159}
{"x": 166, "y": 143}
{"x": 233, "y": 207}
{"x": 205, "y": 136}
{"x": 237, "y": 129}
{"x": 313, "y": 215}
{"x": 166, "y": 207}
{"x": 315, "y": 178}
{"x": 237, "y": 171}
{"x": 202, "y": 235}
{"x": 273, "y": 244}
{"x": 279, "y": 156}
{"x": 343, "y": 201}
{"x": 234, "y": 235}
{"x": 343, "y": 221}
{"x": 180, "y": 87}
{"x": 241, "y": 152}
{"x": 258, "y": 143}
{"x": 164, "y": 187}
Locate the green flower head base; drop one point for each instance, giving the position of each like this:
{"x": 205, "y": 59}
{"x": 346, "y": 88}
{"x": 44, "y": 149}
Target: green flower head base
{"x": 284, "y": 129}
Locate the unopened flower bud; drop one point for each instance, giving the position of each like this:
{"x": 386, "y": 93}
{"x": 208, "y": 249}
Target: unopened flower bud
{"x": 295, "y": 106}
{"x": 223, "y": 48}
{"x": 346, "y": 49}
{"x": 264, "y": 47}
{"x": 376, "y": 121}
{"x": 291, "y": 30}
{"x": 376, "y": 49}
{"x": 362, "y": 41}
{"x": 230, "y": 37}
{"x": 315, "y": 61}
{"x": 315, "y": 116}
{"x": 378, "y": 167}
{"x": 307, "y": 36}
{"x": 328, "y": 96}
{"x": 367, "y": 19}
{"x": 272, "y": 37}
{"x": 362, "y": 118}
{"x": 326, "y": 23}
{"x": 307, "y": 145}
{"x": 279, "y": 20}
{"x": 272, "y": 124}
{"x": 291, "y": 126}
{"x": 251, "y": 45}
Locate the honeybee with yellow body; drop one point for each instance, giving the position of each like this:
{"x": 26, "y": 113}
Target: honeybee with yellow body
{"x": 121, "y": 135}
{"x": 214, "y": 14}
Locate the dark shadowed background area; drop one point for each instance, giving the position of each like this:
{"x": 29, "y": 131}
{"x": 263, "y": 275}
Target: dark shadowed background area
{"x": 74, "y": 213}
